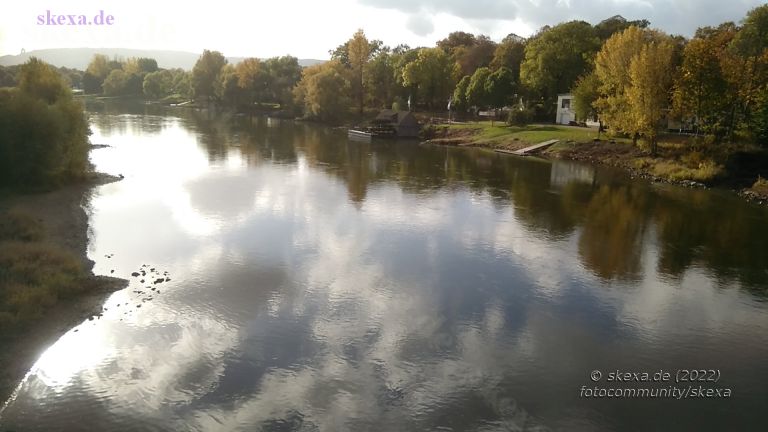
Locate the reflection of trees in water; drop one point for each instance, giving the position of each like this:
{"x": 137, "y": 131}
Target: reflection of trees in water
{"x": 723, "y": 233}
{"x": 211, "y": 132}
{"x": 613, "y": 229}
{"x": 550, "y": 200}
{"x": 117, "y": 117}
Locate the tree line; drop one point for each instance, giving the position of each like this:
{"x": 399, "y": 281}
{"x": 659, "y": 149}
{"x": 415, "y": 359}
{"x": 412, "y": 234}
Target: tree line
{"x": 627, "y": 75}
{"x": 631, "y": 77}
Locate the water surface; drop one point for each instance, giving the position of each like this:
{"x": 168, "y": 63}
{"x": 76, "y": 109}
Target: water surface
{"x": 322, "y": 284}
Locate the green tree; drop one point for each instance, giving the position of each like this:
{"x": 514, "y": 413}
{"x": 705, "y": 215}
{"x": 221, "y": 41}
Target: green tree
{"x": 761, "y": 118}
{"x": 455, "y": 40}
{"x": 433, "y": 74}
{"x": 116, "y": 83}
{"x": 402, "y": 55}
{"x": 43, "y": 130}
{"x": 283, "y": 75}
{"x": 556, "y": 57}
{"x": 147, "y": 65}
{"x": 615, "y": 24}
{"x": 227, "y": 90}
{"x": 468, "y": 51}
{"x": 206, "y": 74}
{"x": 7, "y": 77}
{"x": 460, "y": 102}
{"x": 585, "y": 94}
{"x": 182, "y": 83}
{"x": 509, "y": 53}
{"x": 477, "y": 93}
{"x": 380, "y": 79}
{"x": 750, "y": 45}
{"x": 158, "y": 84}
{"x": 39, "y": 80}
{"x": 91, "y": 84}
{"x": 500, "y": 87}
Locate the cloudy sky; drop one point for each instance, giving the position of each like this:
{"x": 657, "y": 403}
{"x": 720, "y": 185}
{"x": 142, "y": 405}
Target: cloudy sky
{"x": 309, "y": 28}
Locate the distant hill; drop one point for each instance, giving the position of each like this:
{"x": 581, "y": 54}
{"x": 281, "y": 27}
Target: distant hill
{"x": 78, "y": 58}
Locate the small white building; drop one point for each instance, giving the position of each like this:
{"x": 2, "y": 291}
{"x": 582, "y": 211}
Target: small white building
{"x": 565, "y": 112}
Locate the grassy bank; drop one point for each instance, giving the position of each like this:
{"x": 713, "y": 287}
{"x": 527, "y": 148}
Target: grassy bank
{"x": 679, "y": 159}
{"x": 36, "y": 275}
{"x": 499, "y": 135}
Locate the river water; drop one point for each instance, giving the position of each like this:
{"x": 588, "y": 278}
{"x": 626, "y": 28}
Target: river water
{"x": 312, "y": 283}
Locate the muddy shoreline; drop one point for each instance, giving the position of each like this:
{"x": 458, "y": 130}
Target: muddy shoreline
{"x": 63, "y": 216}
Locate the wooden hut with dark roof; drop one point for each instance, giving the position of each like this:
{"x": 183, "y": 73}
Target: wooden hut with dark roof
{"x": 404, "y": 123}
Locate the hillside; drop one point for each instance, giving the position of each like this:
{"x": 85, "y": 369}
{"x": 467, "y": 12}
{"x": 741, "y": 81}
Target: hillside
{"x": 79, "y": 58}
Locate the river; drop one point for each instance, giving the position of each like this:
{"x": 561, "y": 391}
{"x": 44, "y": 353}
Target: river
{"x": 298, "y": 281}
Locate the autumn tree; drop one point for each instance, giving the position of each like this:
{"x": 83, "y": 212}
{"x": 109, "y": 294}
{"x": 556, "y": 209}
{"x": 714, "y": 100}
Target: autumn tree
{"x": 651, "y": 75}
{"x": 323, "y": 90}
{"x": 636, "y": 70}
{"x": 612, "y": 65}
{"x": 702, "y": 89}
{"x": 252, "y": 78}
{"x": 359, "y": 54}
{"x": 206, "y": 74}
{"x": 39, "y": 80}
{"x": 96, "y": 73}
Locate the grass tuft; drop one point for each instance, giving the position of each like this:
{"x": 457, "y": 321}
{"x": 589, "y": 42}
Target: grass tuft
{"x": 17, "y": 224}
{"x": 34, "y": 277}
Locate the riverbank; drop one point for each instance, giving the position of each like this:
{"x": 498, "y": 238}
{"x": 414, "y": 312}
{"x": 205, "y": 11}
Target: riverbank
{"x": 680, "y": 160}
{"x": 61, "y": 226}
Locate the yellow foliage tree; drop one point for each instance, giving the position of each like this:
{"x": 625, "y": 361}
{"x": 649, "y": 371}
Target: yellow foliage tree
{"x": 635, "y": 88}
{"x": 323, "y": 91}
{"x": 359, "y": 53}
{"x": 648, "y": 94}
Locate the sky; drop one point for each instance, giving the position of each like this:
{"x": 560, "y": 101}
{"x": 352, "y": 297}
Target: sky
{"x": 310, "y": 28}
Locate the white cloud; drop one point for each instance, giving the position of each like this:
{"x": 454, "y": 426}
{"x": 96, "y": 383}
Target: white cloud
{"x": 309, "y": 29}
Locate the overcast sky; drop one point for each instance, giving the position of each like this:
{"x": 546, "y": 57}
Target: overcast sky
{"x": 309, "y": 28}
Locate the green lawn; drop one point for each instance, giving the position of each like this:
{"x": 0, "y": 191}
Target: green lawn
{"x": 529, "y": 134}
